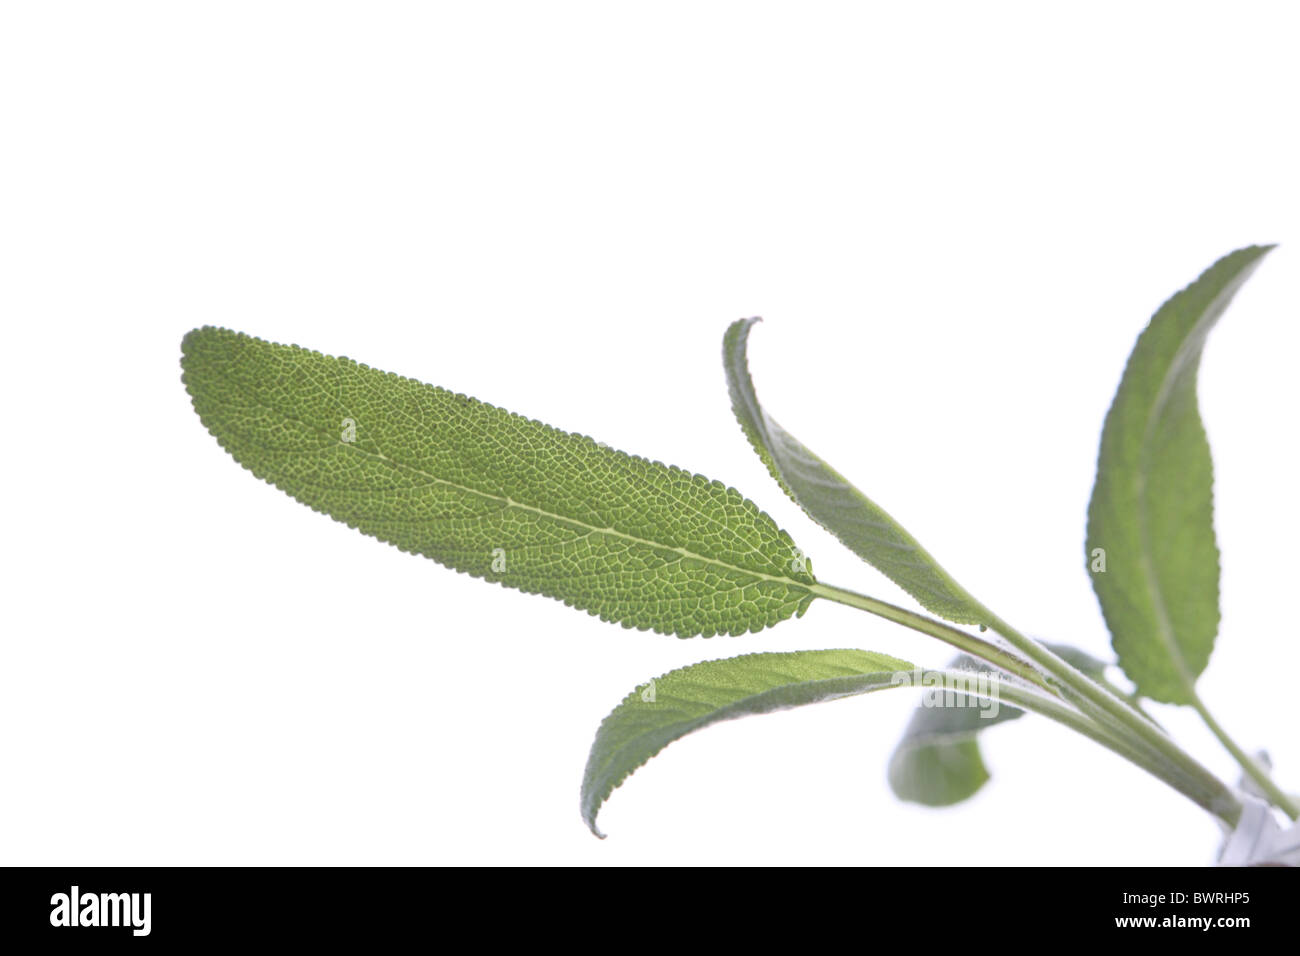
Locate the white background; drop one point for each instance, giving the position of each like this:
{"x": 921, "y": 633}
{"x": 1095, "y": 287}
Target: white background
{"x": 955, "y": 219}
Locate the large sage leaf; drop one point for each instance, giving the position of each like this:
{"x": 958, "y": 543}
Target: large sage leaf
{"x": 1151, "y": 547}
{"x": 494, "y": 494}
{"x": 684, "y": 700}
{"x": 938, "y": 762}
{"x": 862, "y": 525}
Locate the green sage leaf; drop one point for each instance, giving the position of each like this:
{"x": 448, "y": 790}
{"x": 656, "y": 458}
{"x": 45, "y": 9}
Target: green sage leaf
{"x": 862, "y": 525}
{"x": 1150, "y": 547}
{"x": 682, "y": 701}
{"x": 494, "y": 494}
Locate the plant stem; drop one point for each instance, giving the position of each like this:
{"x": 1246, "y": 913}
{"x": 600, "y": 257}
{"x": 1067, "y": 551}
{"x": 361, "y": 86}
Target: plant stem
{"x": 926, "y": 625}
{"x": 1275, "y": 794}
{"x": 1068, "y": 717}
{"x": 1132, "y": 699}
{"x": 1059, "y": 678}
{"x": 1105, "y": 706}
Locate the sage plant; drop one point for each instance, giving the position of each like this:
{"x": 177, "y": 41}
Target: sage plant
{"x": 652, "y": 547}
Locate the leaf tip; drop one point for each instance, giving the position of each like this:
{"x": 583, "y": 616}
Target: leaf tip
{"x": 737, "y": 332}
{"x": 591, "y": 805}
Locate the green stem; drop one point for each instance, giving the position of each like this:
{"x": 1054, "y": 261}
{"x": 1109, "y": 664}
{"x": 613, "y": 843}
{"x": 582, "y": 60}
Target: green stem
{"x": 959, "y": 639}
{"x": 1275, "y": 794}
{"x": 1105, "y": 706}
{"x": 1062, "y": 680}
{"x": 1068, "y": 717}
{"x": 1133, "y": 700}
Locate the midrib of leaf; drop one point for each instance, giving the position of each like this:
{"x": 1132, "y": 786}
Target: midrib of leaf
{"x": 589, "y": 528}
{"x": 1188, "y": 352}
{"x": 556, "y": 516}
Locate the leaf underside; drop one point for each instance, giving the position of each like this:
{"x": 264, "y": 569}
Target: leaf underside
{"x": 862, "y": 525}
{"x": 494, "y": 494}
{"x": 1151, "y": 512}
{"x": 687, "y": 699}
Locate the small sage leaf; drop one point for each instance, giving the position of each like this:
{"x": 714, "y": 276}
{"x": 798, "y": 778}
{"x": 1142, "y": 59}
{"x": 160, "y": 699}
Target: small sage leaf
{"x": 685, "y": 700}
{"x": 862, "y": 525}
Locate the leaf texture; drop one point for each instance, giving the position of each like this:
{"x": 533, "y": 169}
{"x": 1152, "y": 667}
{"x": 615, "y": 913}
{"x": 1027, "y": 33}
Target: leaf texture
{"x": 1150, "y": 520}
{"x": 494, "y": 494}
